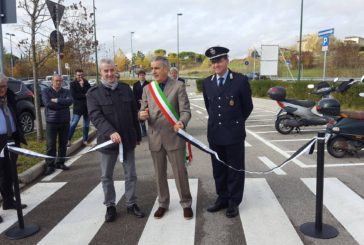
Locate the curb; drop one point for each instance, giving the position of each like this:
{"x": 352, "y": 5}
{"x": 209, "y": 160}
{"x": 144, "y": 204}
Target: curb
{"x": 37, "y": 170}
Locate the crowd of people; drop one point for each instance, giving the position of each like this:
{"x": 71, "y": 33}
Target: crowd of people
{"x": 228, "y": 101}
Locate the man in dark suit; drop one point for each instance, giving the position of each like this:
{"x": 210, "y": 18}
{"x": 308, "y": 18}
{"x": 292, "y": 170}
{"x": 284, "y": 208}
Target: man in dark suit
{"x": 174, "y": 74}
{"x": 228, "y": 101}
{"x": 9, "y": 131}
{"x": 138, "y": 91}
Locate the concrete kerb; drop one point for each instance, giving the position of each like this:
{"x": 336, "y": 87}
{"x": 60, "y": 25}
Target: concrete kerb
{"x": 34, "y": 172}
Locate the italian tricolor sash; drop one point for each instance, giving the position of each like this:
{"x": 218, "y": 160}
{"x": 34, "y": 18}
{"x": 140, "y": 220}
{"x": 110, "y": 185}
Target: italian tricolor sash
{"x": 168, "y": 111}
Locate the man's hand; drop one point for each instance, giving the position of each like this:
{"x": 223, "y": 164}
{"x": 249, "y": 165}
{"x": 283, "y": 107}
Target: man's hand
{"x": 144, "y": 115}
{"x": 54, "y": 100}
{"x": 115, "y": 137}
{"x": 178, "y": 125}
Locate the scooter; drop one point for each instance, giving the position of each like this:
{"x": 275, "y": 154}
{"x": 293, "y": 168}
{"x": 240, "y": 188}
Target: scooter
{"x": 346, "y": 136}
{"x": 297, "y": 113}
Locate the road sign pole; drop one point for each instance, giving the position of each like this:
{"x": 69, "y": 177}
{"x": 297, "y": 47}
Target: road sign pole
{"x": 58, "y": 44}
{"x": 324, "y": 73}
{"x": 254, "y": 64}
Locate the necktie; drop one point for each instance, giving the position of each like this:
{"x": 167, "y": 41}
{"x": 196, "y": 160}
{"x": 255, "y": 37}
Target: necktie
{"x": 221, "y": 79}
{"x": 6, "y": 112}
{"x": 161, "y": 85}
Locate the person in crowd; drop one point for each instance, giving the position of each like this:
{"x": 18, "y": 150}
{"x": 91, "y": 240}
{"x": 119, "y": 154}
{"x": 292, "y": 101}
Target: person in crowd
{"x": 113, "y": 112}
{"x": 228, "y": 102}
{"x": 57, "y": 102}
{"x": 78, "y": 89}
{"x": 163, "y": 139}
{"x": 10, "y": 130}
{"x": 174, "y": 74}
{"x": 138, "y": 91}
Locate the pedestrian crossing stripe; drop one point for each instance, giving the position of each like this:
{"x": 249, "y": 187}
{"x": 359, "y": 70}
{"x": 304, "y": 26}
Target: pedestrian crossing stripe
{"x": 262, "y": 216}
{"x": 84, "y": 221}
{"x": 33, "y": 196}
{"x": 344, "y": 204}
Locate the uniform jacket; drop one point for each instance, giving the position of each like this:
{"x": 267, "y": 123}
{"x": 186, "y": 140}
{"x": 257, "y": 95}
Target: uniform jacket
{"x": 228, "y": 108}
{"x": 57, "y": 112}
{"x": 138, "y": 91}
{"x": 113, "y": 111}
{"x": 18, "y": 135}
{"x": 160, "y": 131}
{"x": 79, "y": 97}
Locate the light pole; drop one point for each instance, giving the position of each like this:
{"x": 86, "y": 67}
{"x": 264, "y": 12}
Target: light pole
{"x": 178, "y": 14}
{"x": 300, "y": 46}
{"x": 131, "y": 47}
{"x": 11, "y": 53}
{"x": 96, "y": 44}
{"x": 113, "y": 46}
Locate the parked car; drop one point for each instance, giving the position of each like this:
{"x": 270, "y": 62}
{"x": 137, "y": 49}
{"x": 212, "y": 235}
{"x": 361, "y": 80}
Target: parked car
{"x": 24, "y": 103}
{"x": 30, "y": 85}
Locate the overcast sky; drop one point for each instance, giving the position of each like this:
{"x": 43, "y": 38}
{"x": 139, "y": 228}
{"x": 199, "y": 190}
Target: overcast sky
{"x": 236, "y": 24}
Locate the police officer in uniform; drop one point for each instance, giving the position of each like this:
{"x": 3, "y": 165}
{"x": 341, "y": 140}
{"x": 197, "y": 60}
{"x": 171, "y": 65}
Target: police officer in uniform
{"x": 228, "y": 101}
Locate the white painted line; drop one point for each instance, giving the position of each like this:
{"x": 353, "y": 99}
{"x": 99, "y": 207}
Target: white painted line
{"x": 67, "y": 163}
{"x": 264, "y": 220}
{"x": 257, "y": 126}
{"x": 207, "y": 117}
{"x": 247, "y": 144}
{"x": 197, "y": 99}
{"x": 172, "y": 228}
{"x": 291, "y": 140}
{"x": 276, "y": 148}
{"x": 84, "y": 221}
{"x": 252, "y": 116}
{"x": 344, "y": 204}
{"x": 259, "y": 120}
{"x": 295, "y": 151}
{"x": 302, "y": 130}
{"x": 32, "y": 197}
{"x": 200, "y": 107}
{"x": 271, "y": 165}
{"x": 198, "y": 112}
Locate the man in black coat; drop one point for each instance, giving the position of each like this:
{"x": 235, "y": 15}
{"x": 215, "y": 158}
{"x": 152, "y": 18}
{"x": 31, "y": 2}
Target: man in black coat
{"x": 57, "y": 102}
{"x": 78, "y": 89}
{"x": 228, "y": 101}
{"x": 138, "y": 91}
{"x": 113, "y": 111}
{"x": 10, "y": 130}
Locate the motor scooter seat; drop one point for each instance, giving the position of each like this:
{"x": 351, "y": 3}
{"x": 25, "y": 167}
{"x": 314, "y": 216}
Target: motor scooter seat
{"x": 304, "y": 103}
{"x": 358, "y": 115}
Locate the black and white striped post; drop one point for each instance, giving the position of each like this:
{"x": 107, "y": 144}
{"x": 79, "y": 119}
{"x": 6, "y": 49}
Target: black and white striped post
{"x": 317, "y": 229}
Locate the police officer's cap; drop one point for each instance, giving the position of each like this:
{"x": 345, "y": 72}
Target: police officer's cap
{"x": 216, "y": 53}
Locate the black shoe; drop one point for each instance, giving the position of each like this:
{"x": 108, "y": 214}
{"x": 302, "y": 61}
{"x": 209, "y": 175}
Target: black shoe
{"x": 134, "y": 209}
{"x": 49, "y": 170}
{"x": 12, "y": 205}
{"x": 217, "y": 207}
{"x": 232, "y": 211}
{"x": 62, "y": 166}
{"x": 1, "y": 219}
{"x": 110, "y": 215}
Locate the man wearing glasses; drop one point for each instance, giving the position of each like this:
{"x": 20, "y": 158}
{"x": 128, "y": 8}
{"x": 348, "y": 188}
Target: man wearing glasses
{"x": 78, "y": 89}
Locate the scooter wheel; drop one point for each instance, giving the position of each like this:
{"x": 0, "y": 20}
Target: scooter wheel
{"x": 281, "y": 127}
{"x": 337, "y": 147}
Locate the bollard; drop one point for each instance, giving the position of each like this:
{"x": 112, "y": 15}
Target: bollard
{"x": 317, "y": 229}
{"x": 21, "y": 231}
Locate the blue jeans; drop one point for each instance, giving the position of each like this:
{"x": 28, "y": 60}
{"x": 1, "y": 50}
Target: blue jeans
{"x": 73, "y": 125}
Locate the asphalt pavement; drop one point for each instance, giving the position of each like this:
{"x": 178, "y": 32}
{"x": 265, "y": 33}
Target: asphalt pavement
{"x": 68, "y": 205}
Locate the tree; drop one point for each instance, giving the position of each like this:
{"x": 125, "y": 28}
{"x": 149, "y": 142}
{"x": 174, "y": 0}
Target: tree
{"x": 160, "y": 52}
{"x": 121, "y": 61}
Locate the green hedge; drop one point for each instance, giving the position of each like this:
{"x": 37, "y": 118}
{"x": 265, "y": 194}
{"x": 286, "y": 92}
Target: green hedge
{"x": 129, "y": 81}
{"x": 349, "y": 100}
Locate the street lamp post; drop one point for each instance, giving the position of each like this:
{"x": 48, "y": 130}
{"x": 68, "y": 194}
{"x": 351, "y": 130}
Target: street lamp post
{"x": 178, "y": 14}
{"x": 96, "y": 44}
{"x": 113, "y": 46}
{"x": 11, "y": 53}
{"x": 300, "y": 46}
{"x": 131, "y": 47}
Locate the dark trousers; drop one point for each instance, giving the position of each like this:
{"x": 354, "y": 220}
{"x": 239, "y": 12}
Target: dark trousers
{"x": 54, "y": 131}
{"x": 229, "y": 183}
{"x": 6, "y": 180}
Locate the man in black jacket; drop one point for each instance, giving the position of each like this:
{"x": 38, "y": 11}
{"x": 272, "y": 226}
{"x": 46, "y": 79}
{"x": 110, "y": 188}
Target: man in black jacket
{"x": 57, "y": 102}
{"x": 78, "y": 89}
{"x": 138, "y": 91}
{"x": 9, "y": 131}
{"x": 113, "y": 111}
